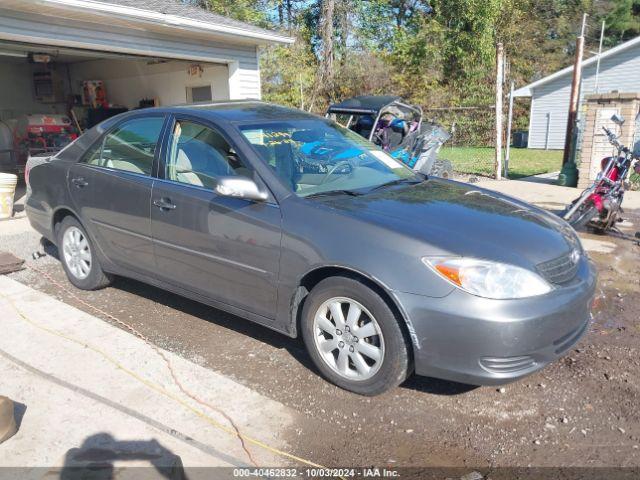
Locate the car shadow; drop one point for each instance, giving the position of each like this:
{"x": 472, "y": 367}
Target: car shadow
{"x": 294, "y": 346}
{"x": 437, "y": 386}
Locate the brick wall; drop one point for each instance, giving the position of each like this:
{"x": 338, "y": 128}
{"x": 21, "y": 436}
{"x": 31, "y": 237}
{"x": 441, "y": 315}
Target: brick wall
{"x": 595, "y": 144}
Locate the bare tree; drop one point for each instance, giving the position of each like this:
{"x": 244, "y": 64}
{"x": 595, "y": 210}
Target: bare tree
{"x": 326, "y": 63}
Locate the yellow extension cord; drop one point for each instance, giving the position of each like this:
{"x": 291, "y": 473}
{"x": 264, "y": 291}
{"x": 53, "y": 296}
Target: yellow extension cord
{"x": 163, "y": 391}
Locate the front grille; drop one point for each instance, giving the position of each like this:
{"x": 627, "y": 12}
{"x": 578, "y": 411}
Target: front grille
{"x": 507, "y": 364}
{"x": 561, "y": 269}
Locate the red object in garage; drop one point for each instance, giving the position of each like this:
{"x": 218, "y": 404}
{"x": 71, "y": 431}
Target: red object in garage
{"x": 41, "y": 134}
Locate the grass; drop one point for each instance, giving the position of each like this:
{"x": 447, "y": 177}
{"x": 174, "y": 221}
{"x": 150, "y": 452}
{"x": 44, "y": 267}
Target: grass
{"x": 523, "y": 163}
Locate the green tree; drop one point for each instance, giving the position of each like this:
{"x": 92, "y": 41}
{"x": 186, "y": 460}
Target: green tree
{"x": 622, "y": 21}
{"x": 250, "y": 11}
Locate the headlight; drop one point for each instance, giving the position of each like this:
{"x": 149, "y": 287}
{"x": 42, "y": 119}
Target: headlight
{"x": 488, "y": 279}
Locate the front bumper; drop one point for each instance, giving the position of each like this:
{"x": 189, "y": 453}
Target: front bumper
{"x": 479, "y": 341}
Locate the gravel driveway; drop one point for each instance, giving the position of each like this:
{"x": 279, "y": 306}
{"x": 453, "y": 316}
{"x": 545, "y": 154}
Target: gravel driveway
{"x": 580, "y": 411}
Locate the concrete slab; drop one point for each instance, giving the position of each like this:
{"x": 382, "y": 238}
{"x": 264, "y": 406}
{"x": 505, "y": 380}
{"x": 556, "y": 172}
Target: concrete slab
{"x": 547, "y": 196}
{"x": 549, "y": 178}
{"x": 88, "y": 385}
{"x": 15, "y": 226}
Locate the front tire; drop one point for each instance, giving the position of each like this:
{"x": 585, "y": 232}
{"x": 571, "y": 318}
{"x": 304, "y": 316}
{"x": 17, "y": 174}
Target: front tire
{"x": 78, "y": 257}
{"x": 583, "y": 215}
{"x": 353, "y": 337}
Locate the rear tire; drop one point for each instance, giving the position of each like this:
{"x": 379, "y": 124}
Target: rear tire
{"x": 78, "y": 256}
{"x": 365, "y": 351}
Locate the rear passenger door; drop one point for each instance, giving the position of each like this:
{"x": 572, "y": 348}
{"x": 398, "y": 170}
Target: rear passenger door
{"x": 226, "y": 249}
{"x": 111, "y": 189}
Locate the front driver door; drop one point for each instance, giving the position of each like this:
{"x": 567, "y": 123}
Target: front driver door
{"x": 111, "y": 189}
{"x": 226, "y": 249}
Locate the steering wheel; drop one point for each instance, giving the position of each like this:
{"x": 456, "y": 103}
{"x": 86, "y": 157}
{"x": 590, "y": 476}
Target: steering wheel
{"x": 333, "y": 170}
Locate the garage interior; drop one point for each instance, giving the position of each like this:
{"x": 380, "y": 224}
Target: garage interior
{"x": 50, "y": 95}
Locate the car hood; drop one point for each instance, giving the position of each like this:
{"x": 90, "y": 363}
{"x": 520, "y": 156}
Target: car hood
{"x": 453, "y": 218}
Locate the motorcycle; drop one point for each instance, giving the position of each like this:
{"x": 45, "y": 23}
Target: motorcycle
{"x": 601, "y": 203}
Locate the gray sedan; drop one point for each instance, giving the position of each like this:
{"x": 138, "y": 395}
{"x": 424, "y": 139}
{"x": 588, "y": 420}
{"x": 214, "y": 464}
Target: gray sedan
{"x": 295, "y": 223}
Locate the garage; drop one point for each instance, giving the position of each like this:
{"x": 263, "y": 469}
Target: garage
{"x": 66, "y": 65}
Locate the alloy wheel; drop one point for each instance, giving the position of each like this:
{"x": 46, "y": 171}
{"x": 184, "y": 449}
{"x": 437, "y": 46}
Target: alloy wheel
{"x": 77, "y": 253}
{"x": 348, "y": 338}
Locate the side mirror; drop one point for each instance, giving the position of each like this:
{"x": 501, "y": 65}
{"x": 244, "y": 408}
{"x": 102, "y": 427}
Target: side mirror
{"x": 617, "y": 119}
{"x": 240, "y": 187}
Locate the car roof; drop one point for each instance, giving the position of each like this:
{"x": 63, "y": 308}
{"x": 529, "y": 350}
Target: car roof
{"x": 239, "y": 111}
{"x": 371, "y": 104}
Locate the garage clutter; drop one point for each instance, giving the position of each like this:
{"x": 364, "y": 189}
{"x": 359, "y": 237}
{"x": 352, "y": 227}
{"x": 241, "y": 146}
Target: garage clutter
{"x": 80, "y": 106}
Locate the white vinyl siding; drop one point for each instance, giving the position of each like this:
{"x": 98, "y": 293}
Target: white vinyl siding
{"x": 55, "y": 31}
{"x": 550, "y": 106}
{"x": 619, "y": 72}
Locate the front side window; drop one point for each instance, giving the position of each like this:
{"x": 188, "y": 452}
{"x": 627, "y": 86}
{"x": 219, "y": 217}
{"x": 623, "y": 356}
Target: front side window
{"x": 130, "y": 147}
{"x": 318, "y": 156}
{"x": 198, "y": 155}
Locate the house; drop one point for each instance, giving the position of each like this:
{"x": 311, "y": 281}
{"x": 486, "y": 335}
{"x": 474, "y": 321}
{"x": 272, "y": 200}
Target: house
{"x": 619, "y": 71}
{"x": 55, "y": 53}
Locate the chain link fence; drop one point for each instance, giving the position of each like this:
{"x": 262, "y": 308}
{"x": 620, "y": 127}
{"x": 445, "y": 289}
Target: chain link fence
{"x": 471, "y": 148}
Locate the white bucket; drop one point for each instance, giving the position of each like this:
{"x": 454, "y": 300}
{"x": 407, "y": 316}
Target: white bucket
{"x": 8, "y": 183}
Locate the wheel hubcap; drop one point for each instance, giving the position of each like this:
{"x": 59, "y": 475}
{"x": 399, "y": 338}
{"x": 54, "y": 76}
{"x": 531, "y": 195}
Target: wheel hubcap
{"x": 76, "y": 252}
{"x": 348, "y": 338}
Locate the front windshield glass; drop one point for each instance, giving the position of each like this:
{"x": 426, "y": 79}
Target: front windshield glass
{"x": 317, "y": 156}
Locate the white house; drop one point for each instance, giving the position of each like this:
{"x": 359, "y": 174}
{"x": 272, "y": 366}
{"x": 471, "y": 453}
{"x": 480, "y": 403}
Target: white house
{"x": 619, "y": 71}
{"x": 163, "y": 50}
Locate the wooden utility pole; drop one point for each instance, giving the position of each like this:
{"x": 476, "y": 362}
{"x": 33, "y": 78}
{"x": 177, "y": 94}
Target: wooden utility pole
{"x": 499, "y": 80}
{"x": 575, "y": 94}
{"x": 507, "y": 155}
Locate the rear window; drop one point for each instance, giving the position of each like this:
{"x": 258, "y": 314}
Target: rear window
{"x": 130, "y": 147}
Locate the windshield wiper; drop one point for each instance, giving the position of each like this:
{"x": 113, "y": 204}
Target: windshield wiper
{"x": 329, "y": 193}
{"x": 398, "y": 181}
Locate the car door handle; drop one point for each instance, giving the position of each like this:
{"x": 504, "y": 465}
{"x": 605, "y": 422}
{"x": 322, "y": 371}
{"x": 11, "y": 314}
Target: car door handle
{"x": 79, "y": 182}
{"x": 164, "y": 204}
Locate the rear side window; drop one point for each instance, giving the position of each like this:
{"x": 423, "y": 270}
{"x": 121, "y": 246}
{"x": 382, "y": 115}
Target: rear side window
{"x": 131, "y": 147}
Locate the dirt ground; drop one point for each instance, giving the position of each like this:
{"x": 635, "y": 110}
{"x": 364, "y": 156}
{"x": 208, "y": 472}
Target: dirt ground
{"x": 580, "y": 411}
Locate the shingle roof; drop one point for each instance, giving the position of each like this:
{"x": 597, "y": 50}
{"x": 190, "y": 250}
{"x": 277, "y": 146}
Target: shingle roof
{"x": 186, "y": 10}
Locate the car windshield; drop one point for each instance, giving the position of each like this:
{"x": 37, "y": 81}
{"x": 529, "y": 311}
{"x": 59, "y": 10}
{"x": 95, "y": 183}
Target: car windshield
{"x": 315, "y": 157}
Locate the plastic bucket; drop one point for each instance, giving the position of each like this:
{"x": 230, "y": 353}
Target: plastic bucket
{"x": 8, "y": 183}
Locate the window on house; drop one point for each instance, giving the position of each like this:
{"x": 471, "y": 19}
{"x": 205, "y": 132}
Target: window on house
{"x": 199, "y": 94}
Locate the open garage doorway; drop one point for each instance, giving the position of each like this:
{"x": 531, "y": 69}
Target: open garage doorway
{"x": 48, "y": 96}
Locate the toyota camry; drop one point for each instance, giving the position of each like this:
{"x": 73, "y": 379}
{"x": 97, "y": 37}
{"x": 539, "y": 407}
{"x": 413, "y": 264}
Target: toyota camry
{"x": 293, "y": 222}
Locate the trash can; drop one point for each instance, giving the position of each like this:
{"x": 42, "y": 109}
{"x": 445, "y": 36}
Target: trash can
{"x": 520, "y": 139}
{"x": 8, "y": 183}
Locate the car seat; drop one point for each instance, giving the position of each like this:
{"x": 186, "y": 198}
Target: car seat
{"x": 285, "y": 163}
{"x": 198, "y": 163}
{"x": 363, "y": 125}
